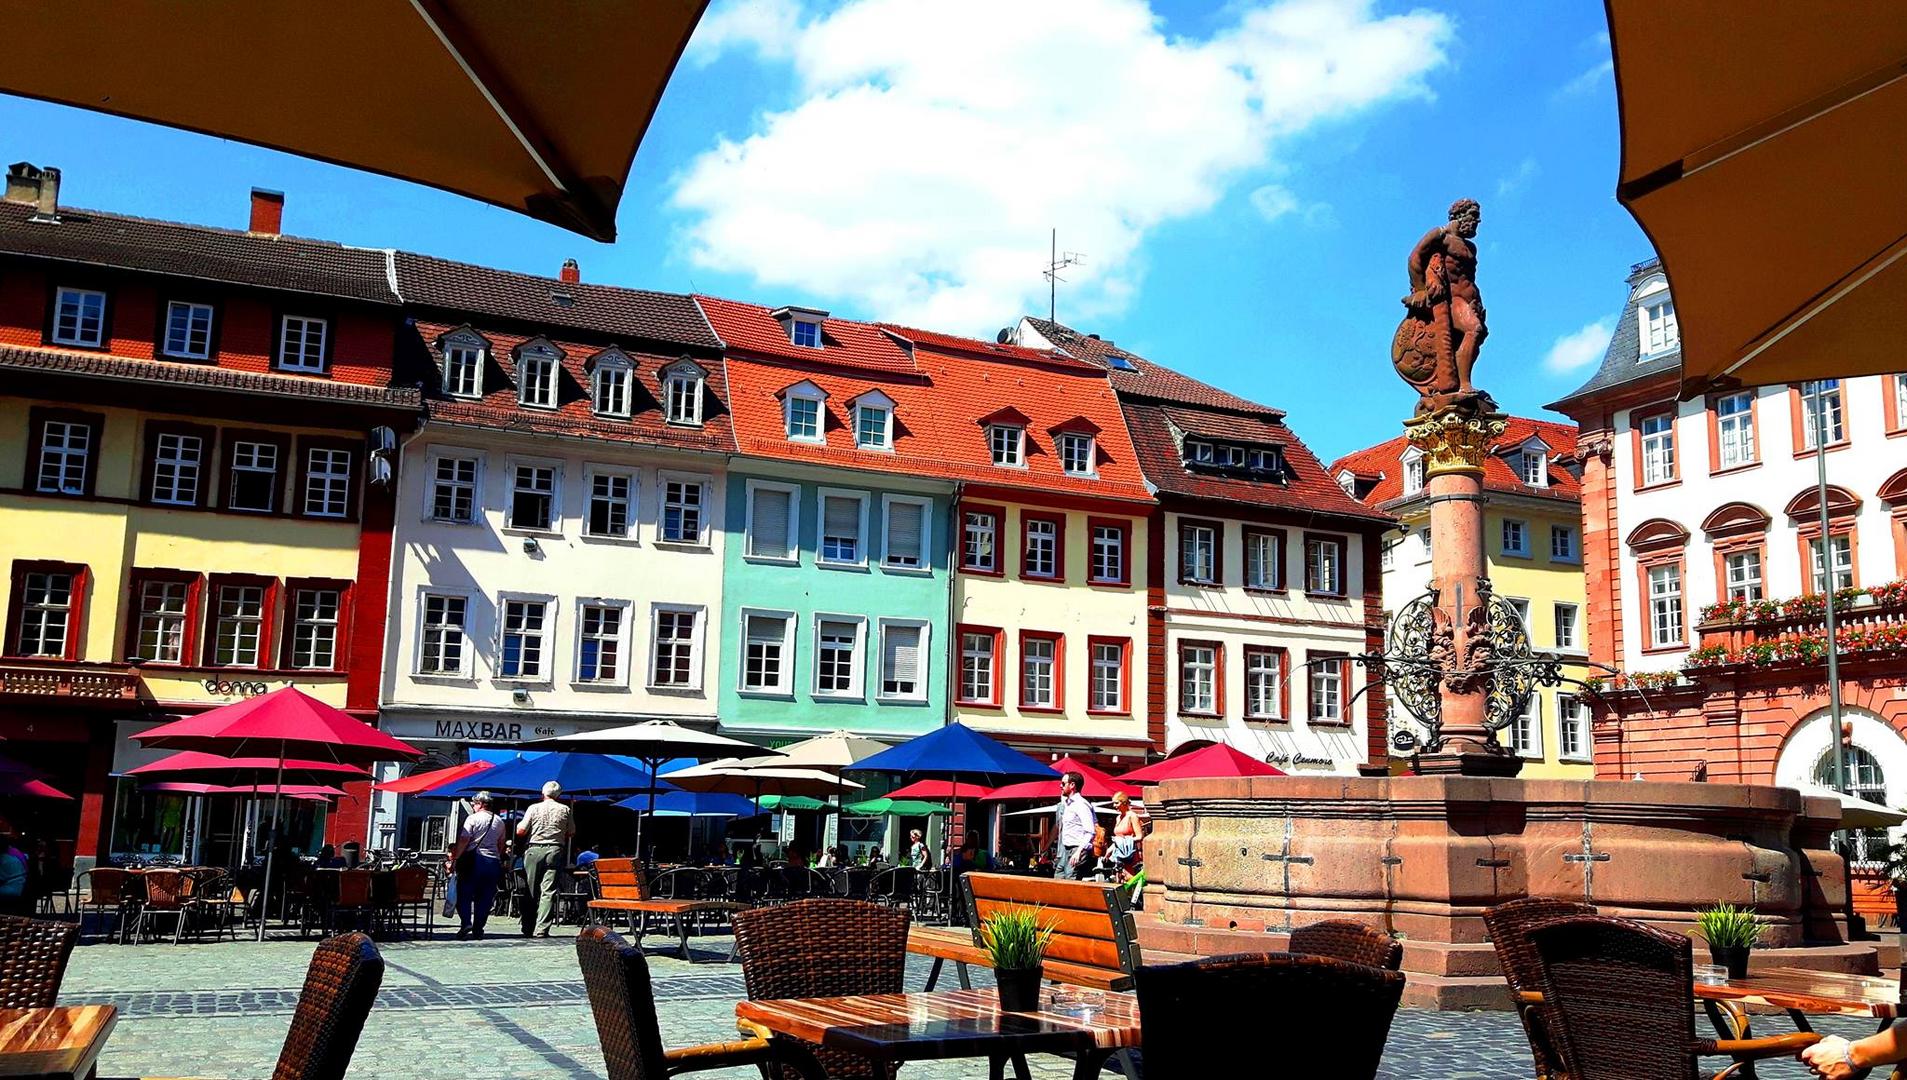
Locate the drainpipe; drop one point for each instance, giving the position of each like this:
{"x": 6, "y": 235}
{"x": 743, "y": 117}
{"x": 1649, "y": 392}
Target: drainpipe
{"x": 951, "y": 678}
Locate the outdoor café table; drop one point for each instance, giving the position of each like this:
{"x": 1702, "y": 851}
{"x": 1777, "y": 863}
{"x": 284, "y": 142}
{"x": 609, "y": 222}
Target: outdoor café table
{"x": 1801, "y": 991}
{"x": 61, "y": 1042}
{"x": 1093, "y": 1024}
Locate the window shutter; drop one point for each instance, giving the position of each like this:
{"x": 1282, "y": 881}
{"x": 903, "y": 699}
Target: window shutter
{"x": 768, "y": 526}
{"x": 900, "y": 654}
{"x": 903, "y": 533}
{"x": 841, "y": 517}
{"x": 765, "y": 628}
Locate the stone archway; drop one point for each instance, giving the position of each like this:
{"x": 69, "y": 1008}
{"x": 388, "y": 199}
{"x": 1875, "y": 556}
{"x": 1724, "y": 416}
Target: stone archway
{"x": 1877, "y": 767}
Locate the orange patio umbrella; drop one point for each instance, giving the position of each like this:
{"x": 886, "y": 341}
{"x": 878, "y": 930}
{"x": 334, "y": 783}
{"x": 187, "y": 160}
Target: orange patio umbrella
{"x": 536, "y": 108}
{"x": 1762, "y": 147}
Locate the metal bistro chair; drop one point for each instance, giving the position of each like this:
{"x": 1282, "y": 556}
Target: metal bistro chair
{"x": 1509, "y": 926}
{"x": 1353, "y": 942}
{"x": 415, "y": 898}
{"x": 893, "y": 886}
{"x": 33, "y": 957}
{"x": 1622, "y": 994}
{"x": 168, "y": 893}
{"x": 106, "y": 890}
{"x": 825, "y": 948}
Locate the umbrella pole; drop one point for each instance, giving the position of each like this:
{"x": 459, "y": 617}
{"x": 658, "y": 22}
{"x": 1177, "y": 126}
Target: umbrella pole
{"x": 653, "y": 766}
{"x": 278, "y": 792}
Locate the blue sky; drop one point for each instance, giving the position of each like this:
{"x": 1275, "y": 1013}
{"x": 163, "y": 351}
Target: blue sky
{"x": 1244, "y": 180}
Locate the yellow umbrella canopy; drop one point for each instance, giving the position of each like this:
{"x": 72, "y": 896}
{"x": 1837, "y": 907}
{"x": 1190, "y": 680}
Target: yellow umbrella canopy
{"x": 537, "y": 108}
{"x": 1762, "y": 148}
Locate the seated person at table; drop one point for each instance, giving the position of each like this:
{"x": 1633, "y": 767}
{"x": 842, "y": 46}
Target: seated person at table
{"x": 586, "y": 857}
{"x": 970, "y": 857}
{"x": 329, "y": 859}
{"x": 876, "y": 858}
{"x": 1837, "y": 1058}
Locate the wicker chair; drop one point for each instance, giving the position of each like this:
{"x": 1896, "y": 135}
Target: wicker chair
{"x": 168, "y": 894}
{"x": 1509, "y": 925}
{"x": 340, "y": 986}
{"x": 616, "y": 977}
{"x": 33, "y": 957}
{"x": 1349, "y": 941}
{"x": 1194, "y": 1017}
{"x": 108, "y": 891}
{"x": 825, "y": 948}
{"x": 1621, "y": 994}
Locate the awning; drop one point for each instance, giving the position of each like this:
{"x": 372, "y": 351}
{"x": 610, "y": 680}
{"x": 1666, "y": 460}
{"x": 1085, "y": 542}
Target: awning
{"x": 532, "y": 107}
{"x": 1762, "y": 147}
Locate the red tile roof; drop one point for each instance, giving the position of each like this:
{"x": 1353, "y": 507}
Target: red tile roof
{"x": 1385, "y": 462}
{"x": 933, "y": 339}
{"x": 89, "y": 364}
{"x": 750, "y": 329}
{"x": 498, "y": 408}
{"x": 1146, "y": 378}
{"x": 602, "y": 309}
{"x": 941, "y": 391}
{"x": 1157, "y": 431}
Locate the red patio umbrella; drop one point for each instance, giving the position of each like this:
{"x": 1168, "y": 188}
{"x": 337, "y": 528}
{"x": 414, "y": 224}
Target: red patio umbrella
{"x": 195, "y": 766}
{"x": 1218, "y": 759}
{"x": 26, "y": 786}
{"x": 316, "y": 792}
{"x": 281, "y": 723}
{"x": 1099, "y": 784}
{"x": 940, "y": 789}
{"x": 424, "y": 781}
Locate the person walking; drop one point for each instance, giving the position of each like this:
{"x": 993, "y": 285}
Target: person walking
{"x": 917, "y": 854}
{"x": 477, "y": 860}
{"x": 1074, "y": 829}
{"x": 545, "y": 828}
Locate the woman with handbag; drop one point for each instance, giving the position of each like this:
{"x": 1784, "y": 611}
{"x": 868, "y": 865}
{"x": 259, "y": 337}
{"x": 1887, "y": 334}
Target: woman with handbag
{"x": 477, "y": 860}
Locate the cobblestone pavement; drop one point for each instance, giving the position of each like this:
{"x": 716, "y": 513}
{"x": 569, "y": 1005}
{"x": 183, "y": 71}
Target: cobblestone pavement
{"x": 507, "y": 1007}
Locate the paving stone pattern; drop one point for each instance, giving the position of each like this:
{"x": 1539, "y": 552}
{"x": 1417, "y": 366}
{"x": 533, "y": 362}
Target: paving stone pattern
{"x": 507, "y": 1007}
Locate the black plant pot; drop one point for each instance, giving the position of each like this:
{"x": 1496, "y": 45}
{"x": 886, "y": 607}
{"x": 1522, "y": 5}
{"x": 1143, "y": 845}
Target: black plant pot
{"x": 1734, "y": 958}
{"x": 1019, "y": 989}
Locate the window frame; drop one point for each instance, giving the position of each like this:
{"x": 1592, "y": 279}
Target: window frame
{"x": 52, "y": 332}
{"x": 208, "y": 462}
{"x": 1344, "y": 564}
{"x": 1028, "y": 518}
{"x": 1894, "y": 404}
{"x": 861, "y": 501}
{"x": 1280, "y": 539}
{"x": 340, "y": 647}
{"x": 539, "y": 352}
{"x": 161, "y": 345}
{"x": 437, "y": 453}
{"x": 1644, "y": 565}
{"x": 269, "y": 601}
{"x": 554, "y": 527}
{"x": 1566, "y": 719}
{"x": 1525, "y": 456}
{"x": 1058, "y": 641}
{"x": 623, "y": 639}
{"x": 1315, "y": 670}
{"x": 704, "y": 509}
{"x": 795, "y": 325}
{"x": 696, "y": 396}
{"x": 228, "y": 465}
{"x": 1217, "y": 711}
{"x": 1804, "y": 428}
{"x": 1217, "y": 529}
{"x": 1413, "y": 468}
{"x": 1557, "y": 607}
{"x": 193, "y": 615}
{"x": 1752, "y": 545}
{"x": 38, "y": 416}
{"x": 282, "y": 323}
{"x": 1671, "y": 324}
{"x": 78, "y": 588}
{"x": 1282, "y": 671}
{"x": 1019, "y": 446}
{"x": 857, "y": 673}
{"x": 354, "y": 478}
{"x": 919, "y": 697}
{"x": 1638, "y": 447}
{"x": 1751, "y": 417}
{"x": 697, "y": 646}
{"x": 1838, "y": 529}
{"x": 1123, "y": 526}
{"x": 925, "y": 566}
{"x": 1124, "y": 644}
{"x": 1522, "y": 550}
{"x": 1091, "y": 471}
{"x": 619, "y": 366}
{"x": 546, "y": 638}
{"x": 466, "y": 667}
{"x": 997, "y": 659}
{"x": 1533, "y": 712}
{"x": 793, "y": 538}
{"x": 871, "y": 402}
{"x": 790, "y": 623}
{"x": 480, "y": 351}
{"x": 1575, "y": 554}
{"x": 999, "y": 516}
{"x": 631, "y": 503}
{"x": 807, "y": 392}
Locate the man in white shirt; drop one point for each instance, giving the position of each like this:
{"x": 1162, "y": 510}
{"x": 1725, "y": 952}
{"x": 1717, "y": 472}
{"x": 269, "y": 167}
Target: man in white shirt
{"x": 477, "y": 860}
{"x": 1074, "y": 828}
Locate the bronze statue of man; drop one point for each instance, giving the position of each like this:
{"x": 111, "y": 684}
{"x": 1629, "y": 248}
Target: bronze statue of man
{"x": 1436, "y": 345}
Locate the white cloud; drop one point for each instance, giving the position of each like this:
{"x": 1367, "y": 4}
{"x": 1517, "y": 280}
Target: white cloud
{"x": 933, "y": 144}
{"x": 768, "y": 27}
{"x": 1518, "y": 180}
{"x": 1581, "y": 348}
{"x": 1588, "y": 80}
{"x": 1274, "y": 201}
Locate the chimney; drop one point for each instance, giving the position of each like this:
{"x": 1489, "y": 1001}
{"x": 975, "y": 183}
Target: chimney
{"x": 571, "y": 272}
{"x": 35, "y": 187}
{"x": 268, "y": 212}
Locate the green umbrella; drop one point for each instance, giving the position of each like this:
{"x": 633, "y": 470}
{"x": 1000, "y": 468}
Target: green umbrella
{"x": 903, "y": 807}
{"x": 788, "y": 803}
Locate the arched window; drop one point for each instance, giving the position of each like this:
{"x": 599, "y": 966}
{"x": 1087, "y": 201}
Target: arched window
{"x": 1865, "y": 780}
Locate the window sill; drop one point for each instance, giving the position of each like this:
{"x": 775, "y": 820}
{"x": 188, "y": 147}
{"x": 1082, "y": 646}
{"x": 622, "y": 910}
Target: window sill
{"x": 1329, "y": 723}
{"x": 766, "y": 695}
{"x": 908, "y": 571}
{"x": 1558, "y": 560}
{"x": 684, "y": 545}
{"x": 613, "y": 541}
{"x": 1574, "y": 760}
{"x": 1124, "y": 713}
{"x": 1202, "y": 717}
{"x": 1513, "y": 555}
{"x": 1897, "y": 433}
{"x": 1110, "y": 584}
{"x": 684, "y": 423}
{"x": 428, "y": 520}
{"x": 966, "y": 704}
{"x": 766, "y": 560}
{"x": 1043, "y": 579}
{"x": 1730, "y": 470}
{"x": 1043, "y": 710}
{"x": 1196, "y": 583}
{"x": 582, "y": 687}
{"x": 672, "y": 689}
{"x": 978, "y": 572}
{"x": 1313, "y": 594}
{"x": 1664, "y": 650}
{"x": 851, "y": 567}
{"x": 537, "y": 682}
{"x": 1267, "y": 590}
{"x": 1833, "y": 447}
{"x": 1267, "y": 720}
{"x": 1659, "y": 485}
{"x": 524, "y": 530}
{"x": 80, "y": 345}
{"x": 444, "y": 678}
{"x": 886, "y": 699}
{"x": 521, "y": 404}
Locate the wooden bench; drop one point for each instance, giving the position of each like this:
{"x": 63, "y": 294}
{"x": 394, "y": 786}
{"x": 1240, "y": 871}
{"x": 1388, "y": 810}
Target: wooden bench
{"x": 1093, "y": 943}
{"x": 621, "y": 886}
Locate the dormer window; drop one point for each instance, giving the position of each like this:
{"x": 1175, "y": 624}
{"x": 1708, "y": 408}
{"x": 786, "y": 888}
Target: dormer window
{"x": 1414, "y": 473}
{"x": 1349, "y": 483}
{"x": 1235, "y": 456}
{"x": 803, "y": 413}
{"x": 1076, "y": 453}
{"x": 463, "y": 364}
{"x": 1267, "y": 461}
{"x": 1007, "y": 445}
{"x": 682, "y": 392}
{"x": 536, "y": 367}
{"x": 874, "y": 421}
{"x": 1655, "y": 320}
{"x": 301, "y": 343}
{"x": 612, "y": 376}
{"x": 803, "y": 325}
{"x": 1533, "y": 467}
{"x": 79, "y": 318}
{"x": 1200, "y": 453}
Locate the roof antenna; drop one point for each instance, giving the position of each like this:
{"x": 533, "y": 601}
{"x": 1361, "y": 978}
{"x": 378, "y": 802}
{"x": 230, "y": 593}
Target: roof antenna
{"x": 1054, "y": 265}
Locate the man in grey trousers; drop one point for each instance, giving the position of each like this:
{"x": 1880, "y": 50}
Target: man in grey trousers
{"x": 544, "y": 830}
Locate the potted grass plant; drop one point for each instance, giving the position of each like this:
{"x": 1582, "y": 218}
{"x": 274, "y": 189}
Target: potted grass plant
{"x": 1731, "y": 933}
{"x": 1016, "y": 943}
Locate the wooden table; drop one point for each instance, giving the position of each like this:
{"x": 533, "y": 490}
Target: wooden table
{"x": 959, "y": 1023}
{"x": 58, "y": 1044}
{"x": 1800, "y": 991}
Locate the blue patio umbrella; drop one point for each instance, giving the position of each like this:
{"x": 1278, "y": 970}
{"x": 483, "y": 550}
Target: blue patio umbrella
{"x": 957, "y": 752}
{"x": 692, "y": 804}
{"x": 582, "y": 776}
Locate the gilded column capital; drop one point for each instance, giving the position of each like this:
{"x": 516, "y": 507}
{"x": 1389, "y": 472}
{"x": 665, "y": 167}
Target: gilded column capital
{"x": 1454, "y": 440}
